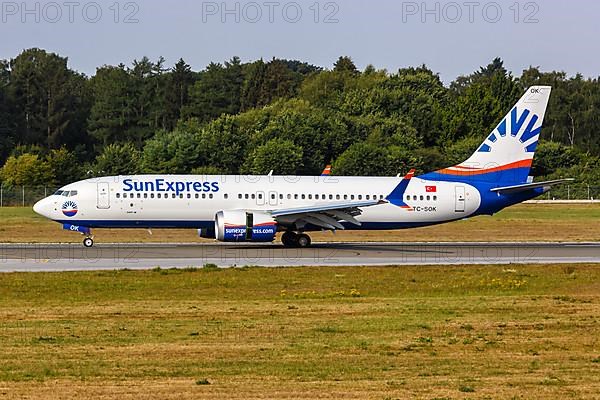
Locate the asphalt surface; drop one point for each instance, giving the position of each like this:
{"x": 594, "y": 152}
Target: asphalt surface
{"x": 74, "y": 257}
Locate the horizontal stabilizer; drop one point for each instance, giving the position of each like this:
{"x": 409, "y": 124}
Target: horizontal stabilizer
{"x": 529, "y": 186}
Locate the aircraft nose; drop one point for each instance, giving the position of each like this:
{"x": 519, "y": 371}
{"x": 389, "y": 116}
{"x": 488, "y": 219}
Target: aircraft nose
{"x": 41, "y": 207}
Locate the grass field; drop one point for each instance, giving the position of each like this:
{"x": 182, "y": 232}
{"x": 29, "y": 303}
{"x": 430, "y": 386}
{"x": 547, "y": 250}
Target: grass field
{"x": 525, "y": 222}
{"x": 477, "y": 332}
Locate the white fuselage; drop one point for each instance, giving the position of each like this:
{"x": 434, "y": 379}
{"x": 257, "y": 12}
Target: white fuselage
{"x": 193, "y": 200}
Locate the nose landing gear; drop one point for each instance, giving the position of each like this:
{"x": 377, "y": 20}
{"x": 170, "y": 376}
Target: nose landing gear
{"x": 293, "y": 239}
{"x": 88, "y": 242}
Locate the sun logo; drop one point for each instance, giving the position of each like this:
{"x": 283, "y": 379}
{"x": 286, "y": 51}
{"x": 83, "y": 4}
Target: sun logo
{"x": 527, "y": 134}
{"x": 69, "y": 208}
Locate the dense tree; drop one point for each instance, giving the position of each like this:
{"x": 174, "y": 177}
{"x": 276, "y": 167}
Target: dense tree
{"x": 281, "y": 156}
{"x": 217, "y": 91}
{"x": 345, "y": 64}
{"x": 130, "y": 104}
{"x": 7, "y": 133}
{"x": 65, "y": 166}
{"x": 117, "y": 159}
{"x": 363, "y": 159}
{"x": 48, "y": 99}
{"x": 225, "y": 143}
{"x": 110, "y": 117}
{"x": 179, "y": 82}
{"x": 172, "y": 152}
{"x": 26, "y": 169}
{"x": 266, "y": 82}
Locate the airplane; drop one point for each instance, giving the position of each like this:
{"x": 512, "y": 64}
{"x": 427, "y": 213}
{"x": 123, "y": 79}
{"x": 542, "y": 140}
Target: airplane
{"x": 232, "y": 208}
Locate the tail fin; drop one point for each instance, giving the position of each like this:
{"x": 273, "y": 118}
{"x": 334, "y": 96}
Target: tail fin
{"x": 506, "y": 154}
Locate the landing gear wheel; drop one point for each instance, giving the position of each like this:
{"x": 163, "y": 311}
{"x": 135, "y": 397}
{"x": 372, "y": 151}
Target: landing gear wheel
{"x": 303, "y": 240}
{"x": 289, "y": 239}
{"x": 88, "y": 242}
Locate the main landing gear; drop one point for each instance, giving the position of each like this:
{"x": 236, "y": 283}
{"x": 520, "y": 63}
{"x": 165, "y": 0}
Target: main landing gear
{"x": 88, "y": 242}
{"x": 293, "y": 239}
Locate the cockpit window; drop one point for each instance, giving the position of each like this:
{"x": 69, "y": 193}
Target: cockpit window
{"x": 66, "y": 193}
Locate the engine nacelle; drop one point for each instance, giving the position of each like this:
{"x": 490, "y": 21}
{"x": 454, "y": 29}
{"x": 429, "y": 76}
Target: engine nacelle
{"x": 243, "y": 226}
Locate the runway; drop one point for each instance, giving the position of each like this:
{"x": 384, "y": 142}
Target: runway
{"x": 74, "y": 257}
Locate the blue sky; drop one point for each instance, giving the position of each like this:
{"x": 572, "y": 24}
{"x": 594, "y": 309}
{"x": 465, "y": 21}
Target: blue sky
{"x": 452, "y": 38}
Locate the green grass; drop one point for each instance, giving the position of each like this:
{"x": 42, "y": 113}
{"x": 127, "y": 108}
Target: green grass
{"x": 333, "y": 332}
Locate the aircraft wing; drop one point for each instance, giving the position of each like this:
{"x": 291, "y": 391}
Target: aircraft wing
{"x": 327, "y": 216}
{"x": 528, "y": 186}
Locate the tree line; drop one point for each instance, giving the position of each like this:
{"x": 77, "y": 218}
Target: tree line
{"x": 58, "y": 125}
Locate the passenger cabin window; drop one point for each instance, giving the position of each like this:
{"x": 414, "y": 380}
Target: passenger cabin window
{"x": 118, "y": 195}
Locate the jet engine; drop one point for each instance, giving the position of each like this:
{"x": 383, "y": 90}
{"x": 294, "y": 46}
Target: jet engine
{"x": 244, "y": 226}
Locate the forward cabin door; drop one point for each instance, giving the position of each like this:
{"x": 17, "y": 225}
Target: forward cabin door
{"x": 459, "y": 203}
{"x": 103, "y": 199}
